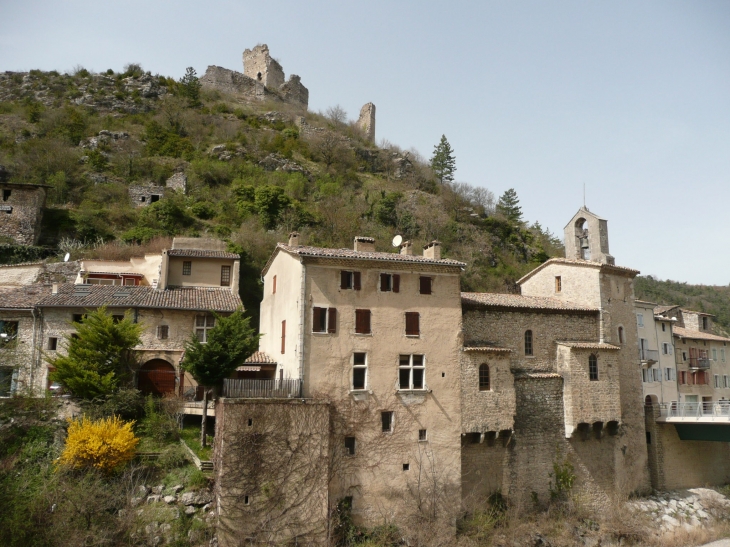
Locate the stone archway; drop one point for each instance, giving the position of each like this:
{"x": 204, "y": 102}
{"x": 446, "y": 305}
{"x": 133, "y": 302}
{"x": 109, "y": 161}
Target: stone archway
{"x": 156, "y": 377}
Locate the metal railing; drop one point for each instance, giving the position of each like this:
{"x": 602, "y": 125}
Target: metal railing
{"x": 708, "y": 410}
{"x": 289, "y": 388}
{"x": 648, "y": 354}
{"x": 699, "y": 362}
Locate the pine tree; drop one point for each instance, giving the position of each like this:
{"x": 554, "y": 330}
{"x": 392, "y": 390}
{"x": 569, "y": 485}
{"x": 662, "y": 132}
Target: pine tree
{"x": 100, "y": 355}
{"x": 443, "y": 161}
{"x": 509, "y": 206}
{"x": 190, "y": 87}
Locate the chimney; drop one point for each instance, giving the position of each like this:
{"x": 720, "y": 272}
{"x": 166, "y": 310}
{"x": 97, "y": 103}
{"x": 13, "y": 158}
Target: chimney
{"x": 432, "y": 250}
{"x": 406, "y": 248}
{"x": 54, "y": 288}
{"x": 294, "y": 239}
{"x": 364, "y": 244}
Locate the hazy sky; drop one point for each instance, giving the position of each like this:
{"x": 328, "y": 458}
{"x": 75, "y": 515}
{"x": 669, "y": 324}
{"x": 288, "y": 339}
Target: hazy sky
{"x": 631, "y": 99}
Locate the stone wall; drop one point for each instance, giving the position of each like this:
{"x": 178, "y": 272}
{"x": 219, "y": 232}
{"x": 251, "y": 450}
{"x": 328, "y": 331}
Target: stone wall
{"x": 272, "y": 463}
{"x": 19, "y": 354}
{"x": 294, "y": 92}
{"x": 230, "y": 81}
{"x": 261, "y": 67}
{"x": 490, "y": 410}
{"x": 366, "y": 121}
{"x": 21, "y": 212}
{"x": 142, "y": 196}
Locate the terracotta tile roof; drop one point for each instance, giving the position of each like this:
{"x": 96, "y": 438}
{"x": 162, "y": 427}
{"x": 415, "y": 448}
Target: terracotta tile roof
{"x": 487, "y": 349}
{"x": 23, "y": 297}
{"x": 199, "y": 253}
{"x": 322, "y": 252}
{"x": 682, "y": 332}
{"x": 538, "y": 375}
{"x": 585, "y": 263}
{"x": 516, "y": 301}
{"x": 588, "y": 345}
{"x": 261, "y": 357}
{"x": 685, "y": 310}
{"x": 644, "y": 302}
{"x": 117, "y": 296}
{"x": 661, "y": 310}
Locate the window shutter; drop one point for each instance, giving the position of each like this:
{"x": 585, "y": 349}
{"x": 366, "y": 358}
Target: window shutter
{"x": 317, "y": 320}
{"x": 425, "y": 283}
{"x": 356, "y": 276}
{"x": 332, "y": 320}
{"x": 412, "y": 324}
{"x": 384, "y": 282}
{"x": 344, "y": 280}
{"x": 362, "y": 321}
{"x": 396, "y": 283}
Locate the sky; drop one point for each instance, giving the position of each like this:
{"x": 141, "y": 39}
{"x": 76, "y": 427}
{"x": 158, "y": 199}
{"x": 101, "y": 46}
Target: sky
{"x": 629, "y": 99}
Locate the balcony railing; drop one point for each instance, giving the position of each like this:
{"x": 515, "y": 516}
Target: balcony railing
{"x": 699, "y": 362}
{"x": 289, "y": 388}
{"x": 648, "y": 355}
{"x": 706, "y": 410}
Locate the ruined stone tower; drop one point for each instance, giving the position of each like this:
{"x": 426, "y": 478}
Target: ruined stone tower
{"x": 586, "y": 238}
{"x": 366, "y": 121}
{"x": 260, "y": 66}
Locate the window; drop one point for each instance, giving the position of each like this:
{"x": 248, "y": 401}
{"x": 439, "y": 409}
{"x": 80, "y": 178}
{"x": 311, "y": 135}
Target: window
{"x": 669, "y": 374}
{"x": 714, "y": 354}
{"x": 528, "y": 342}
{"x": 389, "y": 282}
{"x": 640, "y": 319}
{"x": 704, "y": 323}
{"x": 406, "y": 466}
{"x": 350, "y": 280}
{"x": 664, "y": 327}
{"x": 203, "y": 323}
{"x": 362, "y": 321}
{"x": 722, "y": 354}
{"x": 8, "y": 377}
{"x": 359, "y": 370}
{"x": 324, "y": 320}
{"x": 665, "y": 349}
{"x": 117, "y": 318}
{"x": 411, "y": 372}
{"x": 683, "y": 377}
{"x": 187, "y": 267}
{"x": 725, "y": 381}
{"x": 644, "y": 375}
{"x": 656, "y": 373}
{"x": 717, "y": 380}
{"x": 246, "y": 500}
{"x": 163, "y": 332}
{"x": 6, "y": 194}
{"x": 386, "y": 419}
{"x": 422, "y": 435}
{"x": 283, "y": 336}
{"x": 484, "y": 377}
{"x": 52, "y": 343}
{"x": 225, "y": 276}
{"x": 425, "y": 285}
{"x": 154, "y": 198}
{"x": 350, "y": 446}
{"x": 558, "y": 283}
{"x": 620, "y": 335}
{"x": 130, "y": 282}
{"x": 593, "y": 367}
{"x": 273, "y": 286}
{"x": 78, "y": 317}
{"x": 8, "y": 334}
{"x": 413, "y": 326}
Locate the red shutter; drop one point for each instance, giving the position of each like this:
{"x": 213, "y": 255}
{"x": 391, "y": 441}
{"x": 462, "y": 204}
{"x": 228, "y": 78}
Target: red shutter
{"x": 384, "y": 282}
{"x": 316, "y": 319}
{"x": 283, "y": 336}
{"x": 332, "y": 320}
{"x": 362, "y": 321}
{"x": 412, "y": 324}
{"x": 425, "y": 283}
{"x": 396, "y": 283}
{"x": 356, "y": 276}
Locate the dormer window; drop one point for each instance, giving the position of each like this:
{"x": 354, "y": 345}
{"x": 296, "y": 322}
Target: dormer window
{"x": 704, "y": 323}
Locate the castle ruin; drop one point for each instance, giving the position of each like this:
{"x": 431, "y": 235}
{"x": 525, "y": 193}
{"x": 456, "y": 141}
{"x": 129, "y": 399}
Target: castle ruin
{"x": 366, "y": 121}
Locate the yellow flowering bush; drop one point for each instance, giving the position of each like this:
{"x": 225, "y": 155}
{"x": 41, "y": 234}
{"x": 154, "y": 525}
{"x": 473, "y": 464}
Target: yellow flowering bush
{"x": 104, "y": 444}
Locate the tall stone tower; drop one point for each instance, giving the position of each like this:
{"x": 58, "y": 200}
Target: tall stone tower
{"x": 586, "y": 238}
{"x": 366, "y": 121}
{"x": 260, "y": 66}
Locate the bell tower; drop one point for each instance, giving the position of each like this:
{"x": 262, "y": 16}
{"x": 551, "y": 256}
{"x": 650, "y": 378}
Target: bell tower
{"x": 586, "y": 238}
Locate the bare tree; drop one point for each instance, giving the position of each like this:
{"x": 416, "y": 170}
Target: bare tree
{"x": 337, "y": 115}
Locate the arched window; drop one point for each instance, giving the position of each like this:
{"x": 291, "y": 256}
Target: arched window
{"x": 528, "y": 342}
{"x": 484, "y": 377}
{"x": 620, "y": 335}
{"x": 593, "y": 367}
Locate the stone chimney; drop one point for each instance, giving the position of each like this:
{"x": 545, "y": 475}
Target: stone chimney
{"x": 432, "y": 250}
{"x": 364, "y": 244}
{"x": 406, "y": 248}
{"x": 294, "y": 239}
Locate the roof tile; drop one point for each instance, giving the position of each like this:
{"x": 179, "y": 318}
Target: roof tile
{"x": 517, "y": 301}
{"x": 199, "y": 253}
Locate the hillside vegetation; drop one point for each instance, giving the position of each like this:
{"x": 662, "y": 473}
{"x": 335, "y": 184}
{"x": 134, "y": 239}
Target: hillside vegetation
{"x": 252, "y": 178}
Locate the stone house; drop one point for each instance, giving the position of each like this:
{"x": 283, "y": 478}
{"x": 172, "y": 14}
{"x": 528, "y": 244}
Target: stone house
{"x": 21, "y": 212}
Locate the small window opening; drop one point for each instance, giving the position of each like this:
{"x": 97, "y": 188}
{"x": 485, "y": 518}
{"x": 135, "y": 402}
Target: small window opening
{"x": 187, "y": 267}
{"x": 528, "y": 342}
{"x": 406, "y": 466}
{"x": 359, "y": 370}
{"x": 273, "y": 290}
{"x": 621, "y": 335}
{"x": 593, "y": 367}
{"x": 6, "y": 195}
{"x": 387, "y": 421}
{"x": 350, "y": 446}
{"x": 53, "y": 343}
{"x": 558, "y": 283}
{"x": 704, "y": 322}
{"x": 484, "y": 377}
{"x": 246, "y": 500}
{"x": 155, "y": 197}
{"x": 78, "y": 317}
{"x": 443, "y": 375}
{"x": 664, "y": 327}
{"x": 117, "y": 318}
{"x": 422, "y": 435}
{"x": 143, "y": 199}
{"x": 258, "y": 76}
{"x": 648, "y": 437}
{"x": 250, "y": 422}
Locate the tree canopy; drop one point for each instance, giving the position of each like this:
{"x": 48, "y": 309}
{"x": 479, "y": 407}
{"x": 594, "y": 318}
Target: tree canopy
{"x": 190, "y": 87}
{"x": 443, "y": 161}
{"x": 100, "y": 355}
{"x": 509, "y": 206}
{"x": 228, "y": 344}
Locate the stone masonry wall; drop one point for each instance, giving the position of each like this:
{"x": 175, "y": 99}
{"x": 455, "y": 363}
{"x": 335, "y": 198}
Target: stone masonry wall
{"x": 21, "y": 211}
{"x": 260, "y": 66}
{"x": 492, "y": 410}
{"x": 484, "y": 462}
{"x": 141, "y": 196}
{"x": 294, "y": 91}
{"x": 366, "y": 121}
{"x": 19, "y": 355}
{"x": 230, "y": 81}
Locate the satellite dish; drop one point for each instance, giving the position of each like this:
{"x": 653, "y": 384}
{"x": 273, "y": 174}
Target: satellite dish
{"x": 65, "y": 258}
{"x": 397, "y": 240}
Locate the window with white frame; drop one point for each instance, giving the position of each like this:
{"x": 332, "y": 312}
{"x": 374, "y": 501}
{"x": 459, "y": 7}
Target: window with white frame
{"x": 412, "y": 372}
{"x": 640, "y": 319}
{"x": 359, "y": 370}
{"x": 657, "y": 374}
{"x": 324, "y": 320}
{"x": 722, "y": 354}
{"x": 717, "y": 380}
{"x": 669, "y": 374}
{"x": 666, "y": 348}
{"x": 714, "y": 354}
{"x": 725, "y": 380}
{"x": 203, "y": 324}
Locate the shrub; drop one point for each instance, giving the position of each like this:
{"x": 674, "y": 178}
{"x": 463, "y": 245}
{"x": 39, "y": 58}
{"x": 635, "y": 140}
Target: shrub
{"x": 105, "y": 444}
{"x": 157, "y": 424}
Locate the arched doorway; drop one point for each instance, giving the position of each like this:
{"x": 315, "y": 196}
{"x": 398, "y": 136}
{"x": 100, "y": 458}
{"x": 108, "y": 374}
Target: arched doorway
{"x": 156, "y": 377}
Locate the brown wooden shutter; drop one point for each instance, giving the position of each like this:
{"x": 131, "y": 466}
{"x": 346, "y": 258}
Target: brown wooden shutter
{"x": 425, "y": 283}
{"x": 412, "y": 324}
{"x": 283, "y": 336}
{"x": 356, "y": 283}
{"x": 317, "y": 319}
{"x": 332, "y": 320}
{"x": 344, "y": 280}
{"x": 396, "y": 283}
{"x": 367, "y": 321}
{"x": 362, "y": 321}
{"x": 384, "y": 282}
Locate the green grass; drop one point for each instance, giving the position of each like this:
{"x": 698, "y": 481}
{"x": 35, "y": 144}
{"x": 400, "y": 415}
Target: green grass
{"x": 191, "y": 435}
